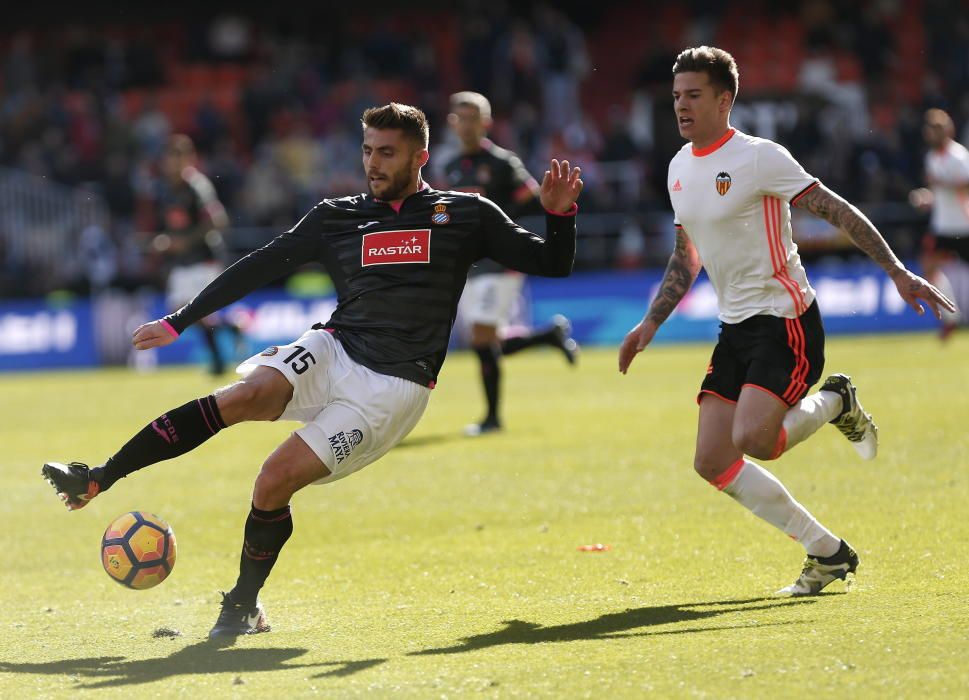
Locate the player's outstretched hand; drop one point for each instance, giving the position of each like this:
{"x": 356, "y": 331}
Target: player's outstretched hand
{"x": 151, "y": 335}
{"x": 911, "y": 288}
{"x": 560, "y": 186}
{"x": 635, "y": 342}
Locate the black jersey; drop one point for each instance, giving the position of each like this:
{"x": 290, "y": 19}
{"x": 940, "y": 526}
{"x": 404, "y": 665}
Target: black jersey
{"x": 185, "y": 210}
{"x": 398, "y": 274}
{"x": 499, "y": 175}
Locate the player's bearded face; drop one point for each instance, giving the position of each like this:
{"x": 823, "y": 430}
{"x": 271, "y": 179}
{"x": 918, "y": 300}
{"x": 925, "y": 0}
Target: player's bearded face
{"x": 391, "y": 163}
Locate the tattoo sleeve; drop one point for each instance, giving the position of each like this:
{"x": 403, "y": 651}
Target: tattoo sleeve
{"x": 829, "y": 206}
{"x": 681, "y": 272}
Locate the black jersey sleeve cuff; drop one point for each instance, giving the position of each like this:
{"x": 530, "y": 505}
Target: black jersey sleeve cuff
{"x": 572, "y": 211}
{"x": 167, "y": 325}
{"x": 174, "y": 323}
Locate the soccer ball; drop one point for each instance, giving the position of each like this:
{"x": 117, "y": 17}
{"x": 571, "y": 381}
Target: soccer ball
{"x": 138, "y": 550}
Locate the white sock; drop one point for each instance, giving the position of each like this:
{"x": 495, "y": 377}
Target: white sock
{"x": 762, "y": 494}
{"x": 808, "y": 415}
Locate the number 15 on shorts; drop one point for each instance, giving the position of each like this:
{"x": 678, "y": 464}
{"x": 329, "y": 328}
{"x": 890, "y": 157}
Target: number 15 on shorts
{"x": 301, "y": 359}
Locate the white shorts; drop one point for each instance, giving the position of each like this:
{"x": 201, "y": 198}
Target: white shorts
{"x": 187, "y": 281}
{"x": 352, "y": 415}
{"x": 489, "y": 299}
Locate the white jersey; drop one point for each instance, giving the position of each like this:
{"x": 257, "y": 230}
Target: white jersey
{"x": 947, "y": 170}
{"x": 733, "y": 200}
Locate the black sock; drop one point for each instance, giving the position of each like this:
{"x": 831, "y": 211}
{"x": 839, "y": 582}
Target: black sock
{"x": 509, "y": 346}
{"x": 170, "y": 435}
{"x": 266, "y": 533}
{"x": 838, "y": 557}
{"x": 232, "y": 328}
{"x": 218, "y": 365}
{"x": 491, "y": 378}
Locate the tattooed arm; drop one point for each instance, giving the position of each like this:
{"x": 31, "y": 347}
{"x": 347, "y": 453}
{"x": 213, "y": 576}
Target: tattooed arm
{"x": 681, "y": 272}
{"x": 829, "y": 206}
{"x": 825, "y": 204}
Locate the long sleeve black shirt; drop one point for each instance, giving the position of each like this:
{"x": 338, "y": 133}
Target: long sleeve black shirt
{"x": 398, "y": 274}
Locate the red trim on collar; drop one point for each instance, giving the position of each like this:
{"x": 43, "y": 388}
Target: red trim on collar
{"x": 700, "y": 152}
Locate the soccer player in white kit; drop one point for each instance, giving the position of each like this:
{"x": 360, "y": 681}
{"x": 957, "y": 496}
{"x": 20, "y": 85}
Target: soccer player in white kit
{"x": 731, "y": 194}
{"x": 945, "y": 259}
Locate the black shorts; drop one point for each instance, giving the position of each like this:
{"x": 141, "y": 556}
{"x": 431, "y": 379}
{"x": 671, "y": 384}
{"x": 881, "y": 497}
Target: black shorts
{"x": 782, "y": 356}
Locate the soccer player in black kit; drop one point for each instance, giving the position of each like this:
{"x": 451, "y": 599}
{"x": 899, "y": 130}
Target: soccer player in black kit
{"x": 492, "y": 288}
{"x": 191, "y": 219}
{"x": 399, "y": 257}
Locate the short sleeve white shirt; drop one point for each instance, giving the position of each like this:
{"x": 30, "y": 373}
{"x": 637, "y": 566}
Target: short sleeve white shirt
{"x": 733, "y": 201}
{"x": 947, "y": 170}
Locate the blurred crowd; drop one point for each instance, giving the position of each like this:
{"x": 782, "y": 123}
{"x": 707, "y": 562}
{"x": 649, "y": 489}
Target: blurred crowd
{"x": 273, "y": 105}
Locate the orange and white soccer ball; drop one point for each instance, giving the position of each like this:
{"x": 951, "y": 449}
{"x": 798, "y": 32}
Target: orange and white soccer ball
{"x": 138, "y": 550}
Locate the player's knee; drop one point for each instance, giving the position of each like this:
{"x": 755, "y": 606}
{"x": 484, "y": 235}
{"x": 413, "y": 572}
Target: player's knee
{"x": 261, "y": 397}
{"x": 758, "y": 442}
{"x": 707, "y": 466}
{"x": 277, "y": 482}
{"x": 483, "y": 335}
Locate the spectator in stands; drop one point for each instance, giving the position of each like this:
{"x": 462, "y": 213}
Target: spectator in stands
{"x": 564, "y": 64}
{"x": 911, "y": 54}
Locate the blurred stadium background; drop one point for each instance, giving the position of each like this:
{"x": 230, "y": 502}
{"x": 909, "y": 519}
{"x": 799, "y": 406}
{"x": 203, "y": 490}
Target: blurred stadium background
{"x": 273, "y": 102}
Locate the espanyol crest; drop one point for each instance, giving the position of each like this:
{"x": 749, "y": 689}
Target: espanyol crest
{"x": 723, "y": 183}
{"x": 440, "y": 215}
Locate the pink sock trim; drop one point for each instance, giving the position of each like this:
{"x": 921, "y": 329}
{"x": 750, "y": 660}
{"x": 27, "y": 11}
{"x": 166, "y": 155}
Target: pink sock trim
{"x": 727, "y": 477}
{"x": 205, "y": 417}
{"x": 168, "y": 327}
{"x": 282, "y": 516}
{"x": 781, "y": 444}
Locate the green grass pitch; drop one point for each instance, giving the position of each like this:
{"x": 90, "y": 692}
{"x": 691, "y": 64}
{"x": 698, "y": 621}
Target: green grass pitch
{"x": 451, "y": 567}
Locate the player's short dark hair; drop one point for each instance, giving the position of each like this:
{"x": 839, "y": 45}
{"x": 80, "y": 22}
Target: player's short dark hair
{"x": 719, "y": 66}
{"x": 410, "y": 120}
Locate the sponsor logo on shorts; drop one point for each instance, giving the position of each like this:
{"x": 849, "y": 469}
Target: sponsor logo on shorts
{"x": 270, "y": 351}
{"x": 440, "y": 215}
{"x": 343, "y": 443}
{"x": 395, "y": 247}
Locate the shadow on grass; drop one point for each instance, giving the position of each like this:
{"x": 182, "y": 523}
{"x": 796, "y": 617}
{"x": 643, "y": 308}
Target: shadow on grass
{"x": 425, "y": 440}
{"x": 628, "y": 623}
{"x": 203, "y": 658}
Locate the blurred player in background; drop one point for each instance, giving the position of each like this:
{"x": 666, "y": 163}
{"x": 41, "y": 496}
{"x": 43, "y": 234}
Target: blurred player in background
{"x": 945, "y": 257}
{"x": 731, "y": 194}
{"x": 493, "y": 290}
{"x": 192, "y": 220}
{"x": 399, "y": 258}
